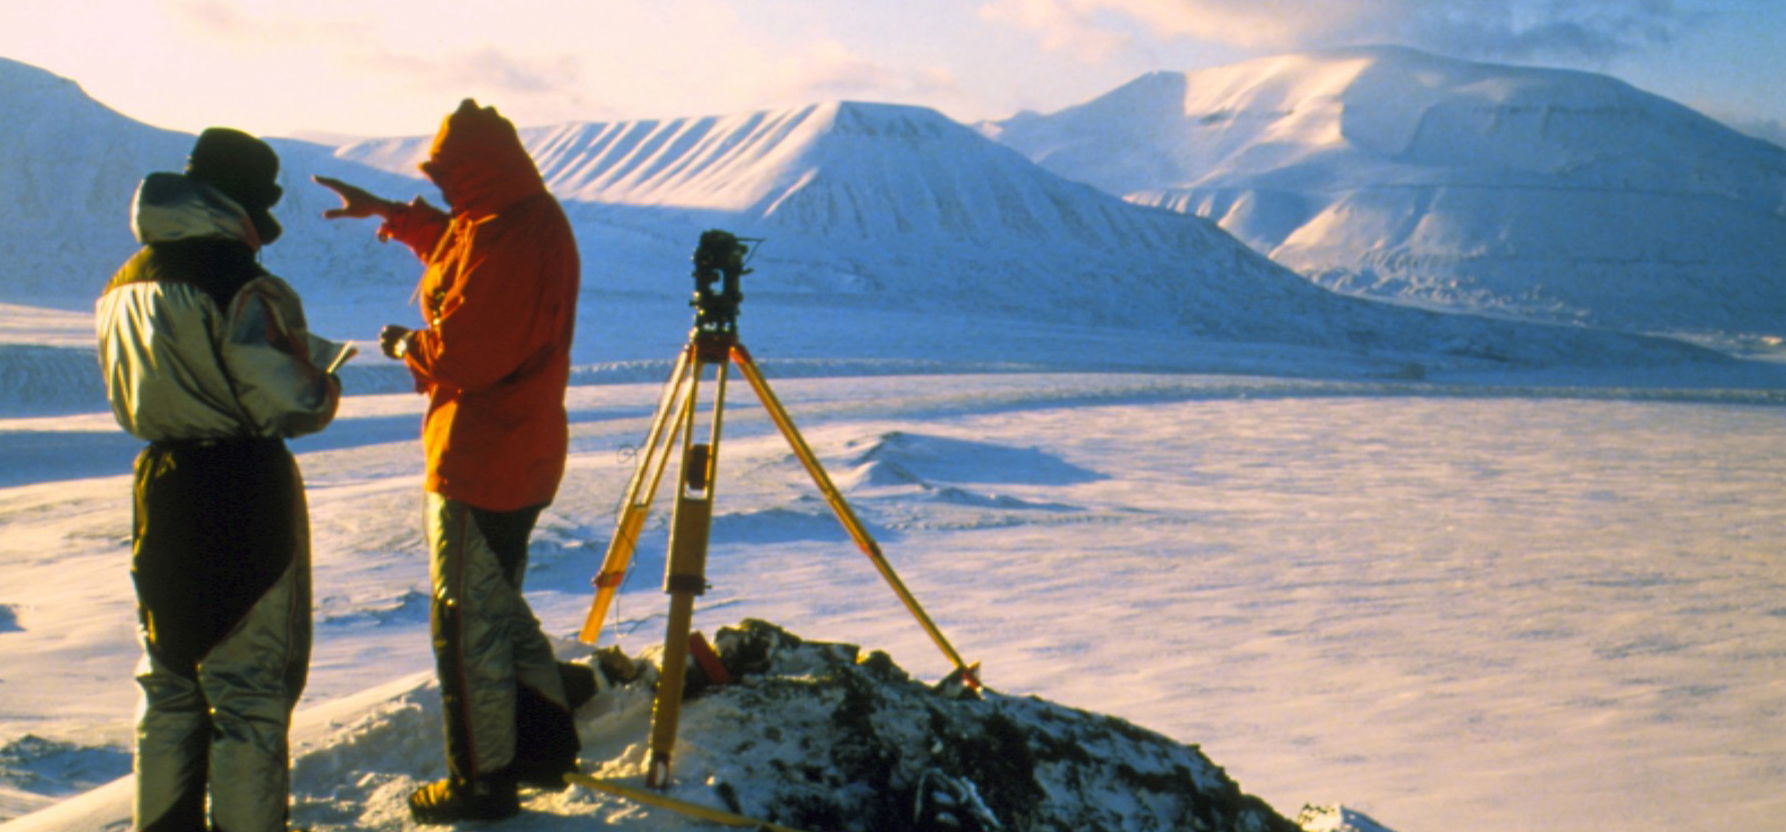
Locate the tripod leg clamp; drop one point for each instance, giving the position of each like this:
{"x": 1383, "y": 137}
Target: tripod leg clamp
{"x": 691, "y": 584}
{"x": 687, "y": 570}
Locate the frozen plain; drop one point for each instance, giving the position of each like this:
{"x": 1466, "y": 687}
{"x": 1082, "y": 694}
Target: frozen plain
{"x": 1450, "y": 603}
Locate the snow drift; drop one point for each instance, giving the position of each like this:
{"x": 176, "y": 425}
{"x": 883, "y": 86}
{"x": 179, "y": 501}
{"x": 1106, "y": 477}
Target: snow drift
{"x": 1396, "y": 174}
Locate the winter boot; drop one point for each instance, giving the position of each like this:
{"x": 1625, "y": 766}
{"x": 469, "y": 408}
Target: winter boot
{"x": 452, "y": 799}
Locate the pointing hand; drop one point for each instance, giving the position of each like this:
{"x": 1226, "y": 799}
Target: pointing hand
{"x": 355, "y": 202}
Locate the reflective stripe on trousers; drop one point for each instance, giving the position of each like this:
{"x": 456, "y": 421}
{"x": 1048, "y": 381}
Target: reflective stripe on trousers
{"x": 487, "y": 642}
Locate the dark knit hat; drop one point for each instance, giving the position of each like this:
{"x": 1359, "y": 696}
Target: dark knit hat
{"x": 245, "y": 169}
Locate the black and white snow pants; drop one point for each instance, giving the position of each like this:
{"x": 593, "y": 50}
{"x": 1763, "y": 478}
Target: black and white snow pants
{"x": 221, "y": 563}
{"x": 502, "y": 696}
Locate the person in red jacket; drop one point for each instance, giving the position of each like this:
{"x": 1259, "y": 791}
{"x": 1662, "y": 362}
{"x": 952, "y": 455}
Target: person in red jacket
{"x": 498, "y": 299}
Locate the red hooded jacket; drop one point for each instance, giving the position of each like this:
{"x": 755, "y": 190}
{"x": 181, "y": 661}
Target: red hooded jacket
{"x": 499, "y": 297}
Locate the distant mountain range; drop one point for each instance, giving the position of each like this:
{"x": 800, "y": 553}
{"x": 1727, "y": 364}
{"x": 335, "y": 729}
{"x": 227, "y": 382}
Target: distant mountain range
{"x": 70, "y": 165}
{"x": 862, "y": 205}
{"x": 893, "y": 204}
{"x": 1399, "y": 175}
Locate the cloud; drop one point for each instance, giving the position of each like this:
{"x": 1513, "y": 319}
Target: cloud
{"x": 829, "y": 70}
{"x": 533, "y": 85}
{"x": 484, "y": 68}
{"x": 225, "y": 24}
{"x": 1062, "y": 25}
{"x": 1594, "y": 30}
{"x": 210, "y": 16}
{"x": 529, "y": 89}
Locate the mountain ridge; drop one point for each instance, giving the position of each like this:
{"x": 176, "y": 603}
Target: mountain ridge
{"x": 809, "y": 168}
{"x": 70, "y": 166}
{"x": 885, "y": 205}
{"x": 1395, "y": 174}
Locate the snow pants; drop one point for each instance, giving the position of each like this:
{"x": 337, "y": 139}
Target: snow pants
{"x": 221, "y": 563}
{"x": 503, "y": 699}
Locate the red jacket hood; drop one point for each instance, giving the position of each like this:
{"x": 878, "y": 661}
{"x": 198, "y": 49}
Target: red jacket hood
{"x": 479, "y": 163}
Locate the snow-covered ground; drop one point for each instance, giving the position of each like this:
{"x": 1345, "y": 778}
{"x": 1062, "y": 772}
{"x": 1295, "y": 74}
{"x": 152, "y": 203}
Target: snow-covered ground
{"x": 1488, "y": 602}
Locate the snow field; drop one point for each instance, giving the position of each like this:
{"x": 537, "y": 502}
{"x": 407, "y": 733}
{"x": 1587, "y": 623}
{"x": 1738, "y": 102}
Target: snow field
{"x": 1417, "y": 604}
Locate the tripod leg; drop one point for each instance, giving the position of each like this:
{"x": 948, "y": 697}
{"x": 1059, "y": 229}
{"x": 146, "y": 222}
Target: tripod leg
{"x": 659, "y": 443}
{"x": 685, "y": 577}
{"x": 847, "y": 516}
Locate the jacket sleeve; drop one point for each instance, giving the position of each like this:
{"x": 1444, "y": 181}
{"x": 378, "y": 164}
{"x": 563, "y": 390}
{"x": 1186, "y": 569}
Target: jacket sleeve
{"x": 276, "y": 365}
{"x": 417, "y": 225}
{"x": 497, "y": 314}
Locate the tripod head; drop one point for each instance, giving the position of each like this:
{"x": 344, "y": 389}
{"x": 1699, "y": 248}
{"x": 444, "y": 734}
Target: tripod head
{"x": 719, "y": 258}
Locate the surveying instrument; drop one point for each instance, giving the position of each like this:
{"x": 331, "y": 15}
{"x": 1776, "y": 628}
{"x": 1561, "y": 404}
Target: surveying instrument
{"x": 719, "y": 259}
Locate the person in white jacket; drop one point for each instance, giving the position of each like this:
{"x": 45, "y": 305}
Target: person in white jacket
{"x": 208, "y": 359}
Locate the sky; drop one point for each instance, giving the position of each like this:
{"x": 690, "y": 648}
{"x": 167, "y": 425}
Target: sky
{"x": 348, "y": 68}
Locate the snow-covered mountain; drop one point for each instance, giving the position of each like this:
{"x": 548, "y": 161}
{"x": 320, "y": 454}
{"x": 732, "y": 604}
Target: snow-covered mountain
{"x": 863, "y": 206}
{"x": 69, "y": 167}
{"x": 895, "y": 205}
{"x": 838, "y": 169}
{"x": 1396, "y": 174}
{"x": 901, "y": 205}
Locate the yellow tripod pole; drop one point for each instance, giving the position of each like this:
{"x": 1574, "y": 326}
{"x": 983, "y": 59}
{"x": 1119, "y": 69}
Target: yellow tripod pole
{"x": 647, "y": 474}
{"x": 685, "y": 572}
{"x": 845, "y": 515}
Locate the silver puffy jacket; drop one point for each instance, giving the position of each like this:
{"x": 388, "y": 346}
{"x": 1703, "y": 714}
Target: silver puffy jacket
{"x": 178, "y": 367}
